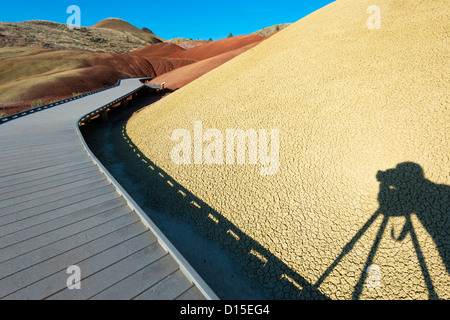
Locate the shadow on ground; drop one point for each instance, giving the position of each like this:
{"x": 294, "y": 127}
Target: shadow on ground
{"x": 405, "y": 191}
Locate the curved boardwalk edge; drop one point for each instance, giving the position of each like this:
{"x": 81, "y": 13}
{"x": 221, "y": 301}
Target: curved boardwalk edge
{"x": 187, "y": 269}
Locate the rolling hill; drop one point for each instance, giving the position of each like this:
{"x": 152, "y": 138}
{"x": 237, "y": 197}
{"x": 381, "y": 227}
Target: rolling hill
{"x": 187, "y": 43}
{"x": 180, "y": 77}
{"x": 52, "y": 35}
{"x": 158, "y": 50}
{"x": 197, "y": 60}
{"x": 127, "y": 28}
{"x": 216, "y": 48}
{"x": 32, "y": 76}
{"x": 42, "y": 61}
{"x": 271, "y": 30}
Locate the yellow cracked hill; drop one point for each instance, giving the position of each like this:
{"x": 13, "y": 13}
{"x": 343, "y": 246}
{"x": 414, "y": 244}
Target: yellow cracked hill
{"x": 350, "y": 103}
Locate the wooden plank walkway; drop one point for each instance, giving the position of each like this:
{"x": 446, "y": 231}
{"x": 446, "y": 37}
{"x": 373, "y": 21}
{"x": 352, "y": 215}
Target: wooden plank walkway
{"x": 59, "y": 207}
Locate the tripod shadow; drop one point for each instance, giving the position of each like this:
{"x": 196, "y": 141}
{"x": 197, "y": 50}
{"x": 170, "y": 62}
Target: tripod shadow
{"x": 405, "y": 191}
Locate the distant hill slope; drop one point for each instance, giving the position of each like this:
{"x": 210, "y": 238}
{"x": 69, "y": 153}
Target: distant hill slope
{"x": 187, "y": 43}
{"x": 30, "y": 75}
{"x": 193, "y": 63}
{"x": 271, "y": 30}
{"x": 162, "y": 49}
{"x": 157, "y": 54}
{"x": 123, "y": 26}
{"x": 34, "y": 75}
{"x": 180, "y": 77}
{"x": 52, "y": 35}
{"x": 218, "y": 47}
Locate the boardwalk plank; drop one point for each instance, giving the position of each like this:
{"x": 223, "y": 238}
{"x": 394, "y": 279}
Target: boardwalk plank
{"x": 140, "y": 281}
{"x": 34, "y": 166}
{"x": 44, "y": 268}
{"x": 43, "y": 173}
{"x": 192, "y": 294}
{"x": 27, "y": 149}
{"x": 52, "y": 195}
{"x": 17, "y": 244}
{"x": 24, "y": 261}
{"x": 113, "y": 274}
{"x": 78, "y": 198}
{"x": 32, "y": 186}
{"x": 57, "y": 282}
{"x": 46, "y": 190}
{"x": 10, "y": 159}
{"x": 49, "y": 216}
{"x": 168, "y": 289}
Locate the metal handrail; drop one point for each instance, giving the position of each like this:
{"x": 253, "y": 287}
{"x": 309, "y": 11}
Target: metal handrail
{"x": 94, "y": 113}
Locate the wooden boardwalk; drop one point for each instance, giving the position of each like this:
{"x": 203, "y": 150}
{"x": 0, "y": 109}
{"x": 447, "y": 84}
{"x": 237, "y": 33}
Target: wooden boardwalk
{"x": 59, "y": 207}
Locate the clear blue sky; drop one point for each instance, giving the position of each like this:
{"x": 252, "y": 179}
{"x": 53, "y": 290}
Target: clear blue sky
{"x": 169, "y": 19}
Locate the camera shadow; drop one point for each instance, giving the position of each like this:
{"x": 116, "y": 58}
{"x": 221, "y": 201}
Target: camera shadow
{"x": 405, "y": 191}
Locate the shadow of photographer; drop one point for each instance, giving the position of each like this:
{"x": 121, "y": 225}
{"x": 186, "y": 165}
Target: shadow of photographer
{"x": 405, "y": 191}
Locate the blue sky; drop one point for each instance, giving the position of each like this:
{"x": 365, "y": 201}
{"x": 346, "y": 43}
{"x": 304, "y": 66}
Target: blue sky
{"x": 198, "y": 19}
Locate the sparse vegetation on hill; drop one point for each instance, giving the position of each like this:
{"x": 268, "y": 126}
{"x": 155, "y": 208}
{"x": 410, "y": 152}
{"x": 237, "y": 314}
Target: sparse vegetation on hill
{"x": 52, "y": 35}
{"x": 121, "y": 25}
{"x": 187, "y": 43}
{"x": 271, "y": 30}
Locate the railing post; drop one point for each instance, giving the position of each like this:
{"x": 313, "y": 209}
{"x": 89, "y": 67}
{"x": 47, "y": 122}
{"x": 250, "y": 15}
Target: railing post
{"x": 104, "y": 115}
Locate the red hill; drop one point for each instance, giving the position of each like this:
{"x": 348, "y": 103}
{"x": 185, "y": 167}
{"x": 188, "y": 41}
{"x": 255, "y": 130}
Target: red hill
{"x": 163, "y": 49}
{"x": 216, "y": 48}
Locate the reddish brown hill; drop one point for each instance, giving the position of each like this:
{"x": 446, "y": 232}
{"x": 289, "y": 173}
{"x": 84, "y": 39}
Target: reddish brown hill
{"x": 183, "y": 76}
{"x": 125, "y": 63}
{"x": 186, "y": 43}
{"x": 163, "y": 49}
{"x": 43, "y": 76}
{"x": 65, "y": 73}
{"x": 79, "y": 71}
{"x": 123, "y": 26}
{"x": 163, "y": 65}
{"x": 216, "y": 48}
{"x": 191, "y": 44}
